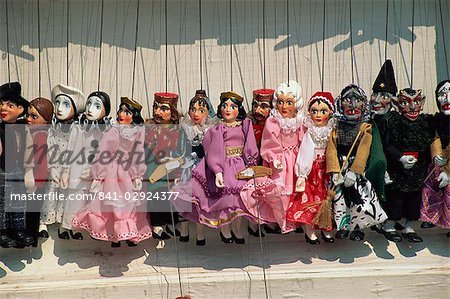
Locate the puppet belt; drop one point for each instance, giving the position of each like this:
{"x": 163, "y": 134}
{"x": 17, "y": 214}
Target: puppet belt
{"x": 234, "y": 151}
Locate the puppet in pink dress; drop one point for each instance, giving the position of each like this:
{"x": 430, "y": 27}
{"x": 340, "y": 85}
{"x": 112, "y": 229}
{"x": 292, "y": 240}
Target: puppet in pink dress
{"x": 312, "y": 183}
{"x": 280, "y": 143}
{"x": 116, "y": 214}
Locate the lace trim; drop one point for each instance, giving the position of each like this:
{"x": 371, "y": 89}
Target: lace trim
{"x": 233, "y": 124}
{"x": 195, "y": 133}
{"x": 320, "y": 135}
{"x": 128, "y": 132}
{"x": 288, "y": 125}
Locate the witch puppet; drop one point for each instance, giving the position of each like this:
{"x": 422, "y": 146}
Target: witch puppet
{"x": 69, "y": 103}
{"x": 355, "y": 202}
{"x": 116, "y": 214}
{"x": 164, "y": 155}
{"x": 199, "y": 119}
{"x": 436, "y": 193}
{"x": 16, "y": 167}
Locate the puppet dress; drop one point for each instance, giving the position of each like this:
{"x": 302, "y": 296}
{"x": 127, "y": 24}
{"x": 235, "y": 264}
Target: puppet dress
{"x": 229, "y": 149}
{"x": 115, "y": 214}
{"x": 436, "y": 201}
{"x": 311, "y": 163}
{"x": 269, "y": 201}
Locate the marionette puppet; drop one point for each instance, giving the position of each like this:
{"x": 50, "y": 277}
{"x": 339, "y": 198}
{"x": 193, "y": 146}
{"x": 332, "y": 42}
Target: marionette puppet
{"x": 39, "y": 117}
{"x": 408, "y": 137}
{"x": 118, "y": 170}
{"x": 164, "y": 156}
{"x": 310, "y": 168}
{"x": 200, "y": 118}
{"x": 69, "y": 104}
{"x": 269, "y": 199}
{"x": 355, "y": 203}
{"x": 83, "y": 143}
{"x": 16, "y": 167}
{"x": 230, "y": 148}
{"x": 436, "y": 193}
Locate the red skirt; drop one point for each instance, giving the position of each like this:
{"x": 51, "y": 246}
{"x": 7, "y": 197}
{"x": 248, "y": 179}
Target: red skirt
{"x": 304, "y": 206}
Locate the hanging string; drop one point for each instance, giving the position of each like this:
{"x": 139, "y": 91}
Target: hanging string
{"x": 67, "y": 44}
{"x": 39, "y": 47}
{"x": 323, "y": 44}
{"x": 351, "y": 40}
{"x": 200, "y": 51}
{"x": 167, "y": 67}
{"x": 264, "y": 43}
{"x": 288, "y": 40}
{"x": 101, "y": 43}
{"x": 7, "y": 42}
{"x": 412, "y": 45}
{"x": 231, "y": 49}
{"x": 386, "y": 32}
{"x": 135, "y": 49}
{"x": 443, "y": 39}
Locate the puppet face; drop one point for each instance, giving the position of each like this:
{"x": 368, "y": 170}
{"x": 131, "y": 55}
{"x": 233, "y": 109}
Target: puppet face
{"x": 380, "y": 102}
{"x": 64, "y": 109}
{"x": 229, "y": 111}
{"x": 95, "y": 109}
{"x": 124, "y": 116}
{"x": 162, "y": 113}
{"x": 34, "y": 118}
{"x": 352, "y": 104}
{"x": 10, "y": 111}
{"x": 443, "y": 98}
{"x": 410, "y": 103}
{"x": 320, "y": 113}
{"x": 286, "y": 105}
{"x": 198, "y": 113}
{"x": 260, "y": 110}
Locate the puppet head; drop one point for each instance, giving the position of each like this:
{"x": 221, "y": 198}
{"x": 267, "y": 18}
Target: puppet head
{"x": 68, "y": 102}
{"x": 129, "y": 112}
{"x": 443, "y": 97}
{"x": 287, "y": 99}
{"x": 98, "y": 105}
{"x": 230, "y": 108}
{"x": 13, "y": 107}
{"x": 200, "y": 108}
{"x": 410, "y": 103}
{"x": 352, "y": 105}
{"x": 40, "y": 112}
{"x": 383, "y": 90}
{"x": 321, "y": 107}
{"x": 261, "y": 104}
{"x": 165, "y": 108}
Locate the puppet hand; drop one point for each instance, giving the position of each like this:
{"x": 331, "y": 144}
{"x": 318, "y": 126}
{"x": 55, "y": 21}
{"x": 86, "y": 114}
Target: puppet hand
{"x": 64, "y": 182}
{"x": 54, "y": 175}
{"x": 350, "y": 178}
{"x": 137, "y": 184}
{"x": 408, "y": 161}
{"x": 277, "y": 164}
{"x": 219, "y": 180}
{"x": 29, "y": 179}
{"x": 300, "y": 186}
{"x": 96, "y": 186}
{"x": 443, "y": 180}
{"x": 440, "y": 160}
{"x": 86, "y": 175}
{"x": 387, "y": 178}
{"x": 337, "y": 179}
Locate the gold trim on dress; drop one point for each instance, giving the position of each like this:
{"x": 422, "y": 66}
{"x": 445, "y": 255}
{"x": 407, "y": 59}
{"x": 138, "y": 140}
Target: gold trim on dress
{"x": 236, "y": 123}
{"x": 234, "y": 151}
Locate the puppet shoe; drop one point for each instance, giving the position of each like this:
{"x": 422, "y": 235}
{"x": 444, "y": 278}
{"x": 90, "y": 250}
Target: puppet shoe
{"x": 184, "y": 239}
{"x": 377, "y": 229}
{"x": 398, "y": 226}
{"x": 170, "y": 231}
{"x": 357, "y": 235}
{"x": 393, "y": 236}
{"x": 43, "y": 234}
{"x": 63, "y": 235}
{"x": 342, "y": 234}
{"x": 311, "y": 241}
{"x": 299, "y": 230}
{"x": 412, "y": 237}
{"x": 22, "y": 239}
{"x": 200, "y": 242}
{"x": 236, "y": 239}
{"x": 327, "y": 239}
{"x": 253, "y": 233}
{"x": 115, "y": 244}
{"x": 270, "y": 230}
{"x": 448, "y": 235}
{"x": 76, "y": 235}
{"x": 427, "y": 225}
{"x": 7, "y": 242}
{"x": 131, "y": 243}
{"x": 162, "y": 236}
{"x": 226, "y": 240}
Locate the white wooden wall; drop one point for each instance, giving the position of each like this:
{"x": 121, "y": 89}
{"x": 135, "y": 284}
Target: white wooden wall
{"x": 306, "y": 23}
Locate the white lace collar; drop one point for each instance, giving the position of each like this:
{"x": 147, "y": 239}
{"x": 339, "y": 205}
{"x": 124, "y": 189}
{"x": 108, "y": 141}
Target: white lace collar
{"x": 127, "y": 131}
{"x": 194, "y": 131}
{"x": 319, "y": 135}
{"x": 288, "y": 125}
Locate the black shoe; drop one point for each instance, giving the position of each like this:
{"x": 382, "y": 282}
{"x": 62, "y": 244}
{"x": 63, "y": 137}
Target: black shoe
{"x": 236, "y": 239}
{"x": 327, "y": 239}
{"x": 312, "y": 242}
{"x": 393, "y": 236}
{"x": 398, "y": 226}
{"x": 163, "y": 236}
{"x": 22, "y": 239}
{"x": 253, "y": 233}
{"x": 226, "y": 240}
{"x": 200, "y": 242}
{"x": 43, "y": 234}
{"x": 76, "y": 236}
{"x": 63, "y": 235}
{"x": 184, "y": 239}
{"x": 427, "y": 225}
{"x": 377, "y": 229}
{"x": 131, "y": 243}
{"x": 169, "y": 230}
{"x": 357, "y": 235}
{"x": 270, "y": 230}
{"x": 448, "y": 235}
{"x": 412, "y": 237}
{"x": 299, "y": 230}
{"x": 341, "y": 234}
{"x": 7, "y": 242}
{"x": 115, "y": 244}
